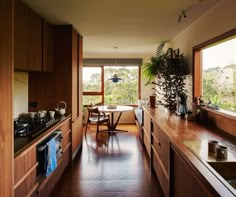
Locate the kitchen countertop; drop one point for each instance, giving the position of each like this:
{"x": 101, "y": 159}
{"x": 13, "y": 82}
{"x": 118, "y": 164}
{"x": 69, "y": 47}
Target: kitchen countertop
{"x": 184, "y": 135}
{"x": 22, "y": 143}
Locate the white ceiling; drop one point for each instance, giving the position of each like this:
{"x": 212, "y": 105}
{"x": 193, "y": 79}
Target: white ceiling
{"x": 134, "y": 26}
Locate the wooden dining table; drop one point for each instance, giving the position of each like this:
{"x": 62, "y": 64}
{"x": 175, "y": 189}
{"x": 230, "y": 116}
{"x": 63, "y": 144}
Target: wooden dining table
{"x": 115, "y": 109}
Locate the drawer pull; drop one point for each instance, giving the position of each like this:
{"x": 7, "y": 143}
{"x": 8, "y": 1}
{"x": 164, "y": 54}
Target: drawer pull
{"x": 159, "y": 144}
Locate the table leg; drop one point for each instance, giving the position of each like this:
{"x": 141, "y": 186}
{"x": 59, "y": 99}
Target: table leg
{"x": 113, "y": 125}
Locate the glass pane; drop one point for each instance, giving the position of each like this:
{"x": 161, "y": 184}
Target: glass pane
{"x": 92, "y": 79}
{"x": 219, "y": 74}
{"x": 87, "y": 100}
{"x": 125, "y": 91}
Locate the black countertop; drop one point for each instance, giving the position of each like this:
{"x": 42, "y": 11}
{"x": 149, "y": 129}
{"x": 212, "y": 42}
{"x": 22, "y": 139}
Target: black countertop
{"x": 23, "y": 142}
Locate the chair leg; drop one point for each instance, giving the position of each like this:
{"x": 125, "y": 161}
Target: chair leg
{"x": 97, "y": 129}
{"x": 86, "y": 129}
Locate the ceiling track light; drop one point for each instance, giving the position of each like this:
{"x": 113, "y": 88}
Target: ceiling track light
{"x": 183, "y": 13}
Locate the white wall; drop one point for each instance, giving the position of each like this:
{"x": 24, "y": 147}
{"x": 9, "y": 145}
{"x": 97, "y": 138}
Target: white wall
{"x": 146, "y": 90}
{"x": 217, "y": 21}
{"x": 20, "y": 93}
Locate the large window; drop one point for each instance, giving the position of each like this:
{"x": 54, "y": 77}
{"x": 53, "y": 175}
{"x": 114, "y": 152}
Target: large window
{"x": 92, "y": 85}
{"x": 98, "y": 88}
{"x": 215, "y": 66}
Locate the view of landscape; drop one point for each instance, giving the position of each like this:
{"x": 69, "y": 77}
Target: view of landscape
{"x": 219, "y": 75}
{"x": 125, "y": 91}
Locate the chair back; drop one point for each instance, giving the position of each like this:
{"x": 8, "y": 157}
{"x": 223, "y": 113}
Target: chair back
{"x": 93, "y": 111}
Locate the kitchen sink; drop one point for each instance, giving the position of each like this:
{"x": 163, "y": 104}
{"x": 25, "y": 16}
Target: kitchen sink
{"x": 227, "y": 170}
{"x": 223, "y": 169}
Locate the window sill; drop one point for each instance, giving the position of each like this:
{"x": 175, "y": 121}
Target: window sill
{"x": 221, "y": 112}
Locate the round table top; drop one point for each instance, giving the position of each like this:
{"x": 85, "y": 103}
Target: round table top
{"x": 119, "y": 108}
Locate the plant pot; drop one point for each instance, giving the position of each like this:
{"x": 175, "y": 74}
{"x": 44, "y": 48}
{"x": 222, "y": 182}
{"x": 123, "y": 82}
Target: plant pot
{"x": 152, "y": 101}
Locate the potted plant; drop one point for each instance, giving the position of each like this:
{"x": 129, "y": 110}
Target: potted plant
{"x": 167, "y": 71}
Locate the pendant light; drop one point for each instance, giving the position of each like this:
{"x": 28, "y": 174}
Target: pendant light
{"x": 115, "y": 78}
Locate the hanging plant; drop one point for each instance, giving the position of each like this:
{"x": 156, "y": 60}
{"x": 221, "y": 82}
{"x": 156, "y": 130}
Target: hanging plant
{"x": 167, "y": 71}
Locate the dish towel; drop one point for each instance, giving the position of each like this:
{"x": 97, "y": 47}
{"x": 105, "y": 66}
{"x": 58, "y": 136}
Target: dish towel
{"x": 51, "y": 157}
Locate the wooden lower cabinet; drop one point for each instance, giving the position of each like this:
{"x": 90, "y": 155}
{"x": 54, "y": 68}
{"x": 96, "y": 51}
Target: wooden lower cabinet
{"x": 26, "y": 182}
{"x": 45, "y": 188}
{"x": 184, "y": 182}
{"x": 147, "y": 142}
{"x": 161, "y": 173}
{"x": 147, "y": 132}
{"x": 160, "y": 157}
{"x": 25, "y": 173}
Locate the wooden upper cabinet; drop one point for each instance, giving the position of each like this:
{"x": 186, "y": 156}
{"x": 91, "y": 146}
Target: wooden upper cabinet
{"x": 20, "y": 36}
{"x": 48, "y": 51}
{"x": 35, "y": 41}
{"x": 28, "y": 38}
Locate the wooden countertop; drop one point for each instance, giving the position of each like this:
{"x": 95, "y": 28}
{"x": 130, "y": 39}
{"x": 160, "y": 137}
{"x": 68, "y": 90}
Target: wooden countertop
{"x": 177, "y": 130}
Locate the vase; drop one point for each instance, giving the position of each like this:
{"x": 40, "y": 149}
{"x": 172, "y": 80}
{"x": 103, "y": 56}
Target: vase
{"x": 152, "y": 101}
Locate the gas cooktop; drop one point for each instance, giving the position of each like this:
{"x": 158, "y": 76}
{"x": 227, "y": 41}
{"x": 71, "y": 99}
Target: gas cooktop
{"x": 30, "y": 127}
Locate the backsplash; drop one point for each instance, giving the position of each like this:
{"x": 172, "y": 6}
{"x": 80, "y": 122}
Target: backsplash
{"x": 20, "y": 93}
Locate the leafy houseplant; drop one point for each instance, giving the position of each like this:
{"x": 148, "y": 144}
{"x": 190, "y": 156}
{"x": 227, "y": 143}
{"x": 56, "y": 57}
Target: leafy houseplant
{"x": 167, "y": 71}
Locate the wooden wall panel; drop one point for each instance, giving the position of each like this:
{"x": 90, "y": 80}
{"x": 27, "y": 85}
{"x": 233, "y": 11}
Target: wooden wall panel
{"x": 74, "y": 76}
{"x": 77, "y": 135}
{"x": 80, "y": 78}
{"x": 6, "y": 86}
{"x": 77, "y": 124}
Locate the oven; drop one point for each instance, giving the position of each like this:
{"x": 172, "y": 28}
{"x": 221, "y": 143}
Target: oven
{"x": 42, "y": 152}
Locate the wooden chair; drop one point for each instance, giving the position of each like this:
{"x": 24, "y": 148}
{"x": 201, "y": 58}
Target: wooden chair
{"x": 97, "y": 117}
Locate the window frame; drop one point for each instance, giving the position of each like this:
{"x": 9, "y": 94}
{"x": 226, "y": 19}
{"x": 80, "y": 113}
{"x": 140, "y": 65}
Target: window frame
{"x": 197, "y": 67}
{"x": 103, "y": 84}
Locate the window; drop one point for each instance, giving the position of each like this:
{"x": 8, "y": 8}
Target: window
{"x": 92, "y": 85}
{"x": 97, "y": 88}
{"x": 215, "y": 72}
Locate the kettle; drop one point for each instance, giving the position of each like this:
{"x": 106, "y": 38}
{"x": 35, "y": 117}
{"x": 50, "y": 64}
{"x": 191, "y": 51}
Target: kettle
{"x": 61, "y": 108}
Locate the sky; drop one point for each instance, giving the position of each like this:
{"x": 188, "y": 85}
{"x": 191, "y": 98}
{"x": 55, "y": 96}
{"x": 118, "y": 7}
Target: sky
{"x": 220, "y": 55}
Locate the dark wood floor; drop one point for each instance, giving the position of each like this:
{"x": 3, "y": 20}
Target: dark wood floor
{"x": 109, "y": 166}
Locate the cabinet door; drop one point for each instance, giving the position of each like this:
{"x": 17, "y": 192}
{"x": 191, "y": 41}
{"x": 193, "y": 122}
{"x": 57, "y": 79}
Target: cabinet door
{"x": 184, "y": 181}
{"x": 20, "y": 36}
{"x": 162, "y": 146}
{"x": 77, "y": 135}
{"x": 147, "y": 132}
{"x": 35, "y": 42}
{"x": 47, "y": 47}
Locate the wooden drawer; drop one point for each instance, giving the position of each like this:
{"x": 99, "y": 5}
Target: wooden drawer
{"x": 66, "y": 140}
{"x": 161, "y": 173}
{"x": 147, "y": 123}
{"x": 155, "y": 144}
{"x": 28, "y": 186}
{"x": 156, "y": 131}
{"x": 23, "y": 163}
{"x": 65, "y": 127}
{"x": 147, "y": 142}
{"x": 164, "y": 150}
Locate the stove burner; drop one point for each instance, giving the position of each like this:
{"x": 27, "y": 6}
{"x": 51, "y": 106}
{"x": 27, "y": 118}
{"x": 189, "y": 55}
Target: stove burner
{"x": 28, "y": 127}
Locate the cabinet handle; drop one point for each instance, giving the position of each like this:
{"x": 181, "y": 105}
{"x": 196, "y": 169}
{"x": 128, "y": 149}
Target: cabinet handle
{"x": 159, "y": 144}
